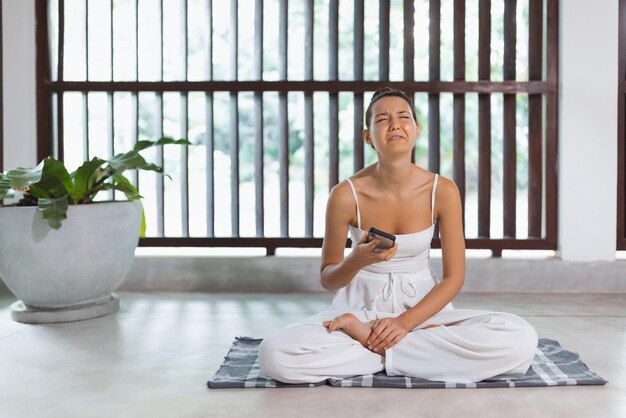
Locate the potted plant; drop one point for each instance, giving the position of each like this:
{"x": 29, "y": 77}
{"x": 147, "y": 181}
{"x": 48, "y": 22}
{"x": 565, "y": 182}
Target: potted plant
{"x": 62, "y": 254}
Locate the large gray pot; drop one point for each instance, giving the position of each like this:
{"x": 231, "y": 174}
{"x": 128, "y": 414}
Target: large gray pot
{"x": 67, "y": 274}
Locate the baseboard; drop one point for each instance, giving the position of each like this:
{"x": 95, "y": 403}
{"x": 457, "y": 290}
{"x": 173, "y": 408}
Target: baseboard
{"x": 301, "y": 274}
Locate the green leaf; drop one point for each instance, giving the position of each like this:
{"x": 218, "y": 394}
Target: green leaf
{"x": 131, "y": 160}
{"x": 23, "y": 177}
{"x": 142, "y": 228}
{"x": 141, "y": 145}
{"x": 55, "y": 181}
{"x": 85, "y": 177}
{"x": 122, "y": 184}
{"x": 54, "y": 211}
{"x": 5, "y": 187}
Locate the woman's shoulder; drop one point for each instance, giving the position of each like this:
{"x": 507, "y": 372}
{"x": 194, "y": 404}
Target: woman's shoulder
{"x": 447, "y": 192}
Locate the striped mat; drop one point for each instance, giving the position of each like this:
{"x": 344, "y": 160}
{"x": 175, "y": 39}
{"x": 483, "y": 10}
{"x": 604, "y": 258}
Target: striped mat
{"x": 552, "y": 366}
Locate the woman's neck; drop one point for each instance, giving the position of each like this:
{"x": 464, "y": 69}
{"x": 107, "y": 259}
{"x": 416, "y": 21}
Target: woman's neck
{"x": 393, "y": 173}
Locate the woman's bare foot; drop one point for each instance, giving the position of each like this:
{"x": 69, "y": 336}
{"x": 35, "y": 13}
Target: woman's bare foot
{"x": 351, "y": 325}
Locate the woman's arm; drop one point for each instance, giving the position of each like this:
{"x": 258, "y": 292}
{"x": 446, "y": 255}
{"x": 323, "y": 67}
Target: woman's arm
{"x": 337, "y": 271}
{"x": 448, "y": 209}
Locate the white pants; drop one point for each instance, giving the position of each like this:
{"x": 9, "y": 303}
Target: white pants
{"x": 469, "y": 346}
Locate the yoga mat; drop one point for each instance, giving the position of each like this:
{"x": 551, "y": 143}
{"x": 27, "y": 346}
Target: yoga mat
{"x": 552, "y": 366}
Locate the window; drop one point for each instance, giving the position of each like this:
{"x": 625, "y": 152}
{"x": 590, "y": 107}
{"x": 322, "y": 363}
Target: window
{"x": 271, "y": 93}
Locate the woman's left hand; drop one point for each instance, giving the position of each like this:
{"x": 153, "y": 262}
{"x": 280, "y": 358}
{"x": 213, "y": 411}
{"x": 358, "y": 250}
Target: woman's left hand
{"x": 386, "y": 333}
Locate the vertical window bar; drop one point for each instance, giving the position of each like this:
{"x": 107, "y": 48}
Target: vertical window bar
{"x": 184, "y": 128}
{"x": 111, "y": 110}
{"x": 60, "y": 136}
{"x": 210, "y": 178}
{"x": 258, "y": 120}
{"x": 484, "y": 120}
{"x": 535, "y": 53}
{"x": 309, "y": 179}
{"x": 84, "y": 93}
{"x": 283, "y": 130}
{"x": 135, "y": 96}
{"x": 1, "y": 101}
{"x": 459, "y": 101}
{"x": 159, "y": 133}
{"x": 383, "y": 40}
{"x": 234, "y": 123}
{"x": 359, "y": 17}
{"x": 552, "y": 46}
{"x": 409, "y": 42}
{"x": 434, "y": 74}
{"x": 509, "y": 180}
{"x": 621, "y": 128}
{"x": 333, "y": 97}
{"x": 45, "y": 100}
{"x": 409, "y": 50}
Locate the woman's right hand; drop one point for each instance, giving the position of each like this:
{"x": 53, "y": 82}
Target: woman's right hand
{"x": 363, "y": 253}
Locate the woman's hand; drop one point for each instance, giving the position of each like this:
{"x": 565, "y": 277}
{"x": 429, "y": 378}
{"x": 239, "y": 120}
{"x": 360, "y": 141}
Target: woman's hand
{"x": 363, "y": 253}
{"x": 386, "y": 333}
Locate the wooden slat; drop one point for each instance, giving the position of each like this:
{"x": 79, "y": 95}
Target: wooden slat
{"x": 535, "y": 175}
{"x": 434, "y": 74}
{"x": 383, "y": 40}
{"x": 110, "y": 100}
{"x": 309, "y": 158}
{"x": 160, "y": 182}
{"x": 484, "y": 121}
{"x": 60, "y": 135}
{"x": 42, "y": 73}
{"x": 273, "y": 243}
{"x": 1, "y": 101}
{"x": 552, "y": 46}
{"x": 283, "y": 125}
{"x": 85, "y": 112}
{"x": 509, "y": 181}
{"x": 234, "y": 121}
{"x": 509, "y": 177}
{"x": 281, "y": 86}
{"x": 409, "y": 41}
{"x": 459, "y": 101}
{"x": 333, "y": 97}
{"x": 409, "y": 50}
{"x": 359, "y": 46}
{"x": 259, "y": 151}
{"x": 135, "y": 96}
{"x": 184, "y": 125}
{"x": 210, "y": 166}
{"x": 208, "y": 121}
{"x": 85, "y": 101}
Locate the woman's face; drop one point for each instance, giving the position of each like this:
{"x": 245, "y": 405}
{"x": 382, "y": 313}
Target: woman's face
{"x": 392, "y": 126}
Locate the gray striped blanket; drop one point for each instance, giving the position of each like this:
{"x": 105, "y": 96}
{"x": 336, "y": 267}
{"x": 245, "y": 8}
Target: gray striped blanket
{"x": 552, "y": 366}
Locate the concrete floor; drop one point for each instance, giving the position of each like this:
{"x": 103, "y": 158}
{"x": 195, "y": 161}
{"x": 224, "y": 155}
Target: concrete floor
{"x": 153, "y": 359}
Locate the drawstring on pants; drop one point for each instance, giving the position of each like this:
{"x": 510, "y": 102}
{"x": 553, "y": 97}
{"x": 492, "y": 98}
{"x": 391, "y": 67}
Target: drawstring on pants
{"x": 389, "y": 291}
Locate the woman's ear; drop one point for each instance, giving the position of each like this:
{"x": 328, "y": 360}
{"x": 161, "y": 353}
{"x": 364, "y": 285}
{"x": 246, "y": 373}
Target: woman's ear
{"x": 366, "y": 136}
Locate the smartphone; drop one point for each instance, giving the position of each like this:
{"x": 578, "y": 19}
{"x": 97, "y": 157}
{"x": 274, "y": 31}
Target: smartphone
{"x": 386, "y": 240}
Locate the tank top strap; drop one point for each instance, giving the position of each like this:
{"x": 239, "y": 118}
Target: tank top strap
{"x": 356, "y": 199}
{"x": 432, "y": 199}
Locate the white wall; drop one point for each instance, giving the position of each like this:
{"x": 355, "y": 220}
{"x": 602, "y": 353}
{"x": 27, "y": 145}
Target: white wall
{"x": 588, "y": 55}
{"x": 18, "y": 59}
{"x": 587, "y": 117}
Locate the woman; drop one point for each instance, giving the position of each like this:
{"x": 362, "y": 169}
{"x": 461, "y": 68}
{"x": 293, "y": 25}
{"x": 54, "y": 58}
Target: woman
{"x": 388, "y": 312}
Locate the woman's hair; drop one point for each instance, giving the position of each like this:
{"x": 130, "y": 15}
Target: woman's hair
{"x": 387, "y": 92}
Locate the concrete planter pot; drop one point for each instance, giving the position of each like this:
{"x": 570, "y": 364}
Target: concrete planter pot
{"x": 67, "y": 274}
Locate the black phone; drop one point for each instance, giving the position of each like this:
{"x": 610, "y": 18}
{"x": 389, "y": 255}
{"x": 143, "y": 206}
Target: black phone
{"x": 387, "y": 240}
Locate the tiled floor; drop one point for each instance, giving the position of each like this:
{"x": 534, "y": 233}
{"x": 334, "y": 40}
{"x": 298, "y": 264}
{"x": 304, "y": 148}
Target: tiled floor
{"x": 153, "y": 359}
